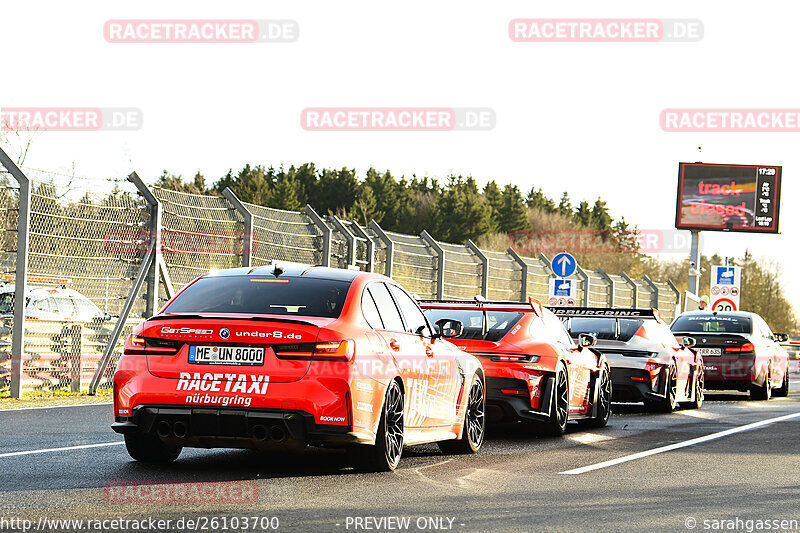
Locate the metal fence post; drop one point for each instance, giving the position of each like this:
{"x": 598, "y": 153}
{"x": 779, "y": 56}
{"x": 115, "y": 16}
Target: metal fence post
{"x": 523, "y": 297}
{"x": 349, "y": 237}
{"x": 247, "y": 216}
{"x": 440, "y": 263}
{"x": 389, "y": 247}
{"x": 485, "y": 262}
{"x": 633, "y": 286}
{"x": 677, "y": 296}
{"x": 654, "y": 289}
{"x": 370, "y": 245}
{"x": 587, "y": 285}
{"x": 326, "y": 231}
{"x": 76, "y": 356}
{"x": 21, "y": 277}
{"x": 151, "y": 297}
{"x": 611, "y": 285}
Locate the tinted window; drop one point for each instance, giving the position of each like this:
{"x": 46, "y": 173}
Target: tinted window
{"x": 262, "y": 295}
{"x": 712, "y": 324}
{"x": 386, "y": 307}
{"x": 605, "y": 328}
{"x": 498, "y": 323}
{"x": 415, "y": 320}
{"x": 370, "y": 311}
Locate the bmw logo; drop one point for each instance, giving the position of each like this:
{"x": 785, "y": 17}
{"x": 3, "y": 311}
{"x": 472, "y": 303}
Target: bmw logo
{"x": 224, "y": 333}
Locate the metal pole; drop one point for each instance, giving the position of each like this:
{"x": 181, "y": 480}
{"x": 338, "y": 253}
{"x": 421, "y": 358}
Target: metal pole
{"x": 370, "y": 245}
{"x": 485, "y": 272}
{"x": 440, "y": 263}
{"x": 247, "y": 216}
{"x": 587, "y": 284}
{"x": 21, "y": 274}
{"x": 677, "y": 306}
{"x": 611, "y": 285}
{"x": 634, "y": 287}
{"x": 151, "y": 297}
{"x": 389, "y": 267}
{"x": 524, "y": 266}
{"x": 654, "y": 289}
{"x": 349, "y": 237}
{"x": 326, "y": 231}
{"x": 694, "y": 263}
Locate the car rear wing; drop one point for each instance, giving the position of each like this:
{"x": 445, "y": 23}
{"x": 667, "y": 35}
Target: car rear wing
{"x": 604, "y": 312}
{"x": 532, "y": 305}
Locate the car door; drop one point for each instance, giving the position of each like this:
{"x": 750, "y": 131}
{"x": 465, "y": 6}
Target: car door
{"x": 444, "y": 380}
{"x": 775, "y": 351}
{"x": 408, "y": 352}
{"x": 580, "y": 361}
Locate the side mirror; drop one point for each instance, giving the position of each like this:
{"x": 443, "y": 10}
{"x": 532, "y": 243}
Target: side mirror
{"x": 449, "y": 328}
{"x": 586, "y": 340}
{"x": 689, "y": 342}
{"x": 781, "y": 337}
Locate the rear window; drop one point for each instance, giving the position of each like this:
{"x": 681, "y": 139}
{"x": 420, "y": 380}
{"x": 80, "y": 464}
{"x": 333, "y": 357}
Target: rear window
{"x": 712, "y": 324}
{"x": 262, "y": 296}
{"x": 498, "y": 323}
{"x": 605, "y": 328}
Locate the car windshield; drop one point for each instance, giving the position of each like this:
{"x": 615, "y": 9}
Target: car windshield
{"x": 262, "y": 295}
{"x": 712, "y": 324}
{"x": 6, "y": 303}
{"x": 605, "y": 328}
{"x": 498, "y": 323}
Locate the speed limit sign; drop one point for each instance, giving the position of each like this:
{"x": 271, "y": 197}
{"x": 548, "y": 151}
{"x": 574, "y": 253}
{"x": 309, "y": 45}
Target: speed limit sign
{"x": 724, "y": 304}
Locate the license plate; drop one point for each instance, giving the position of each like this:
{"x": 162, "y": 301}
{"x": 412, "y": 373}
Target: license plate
{"x": 710, "y": 351}
{"x": 226, "y": 355}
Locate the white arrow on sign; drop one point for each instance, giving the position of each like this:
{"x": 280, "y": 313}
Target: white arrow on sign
{"x": 564, "y": 262}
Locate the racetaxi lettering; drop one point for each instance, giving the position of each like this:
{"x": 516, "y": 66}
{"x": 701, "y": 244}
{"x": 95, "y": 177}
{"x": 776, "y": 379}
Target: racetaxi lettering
{"x": 213, "y": 382}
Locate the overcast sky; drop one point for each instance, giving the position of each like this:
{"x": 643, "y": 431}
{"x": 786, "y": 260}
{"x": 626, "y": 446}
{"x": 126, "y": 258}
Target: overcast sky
{"x": 582, "y": 117}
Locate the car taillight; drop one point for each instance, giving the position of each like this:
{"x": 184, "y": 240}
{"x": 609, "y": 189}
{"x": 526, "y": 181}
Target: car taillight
{"x": 137, "y": 345}
{"x": 746, "y": 347}
{"x": 654, "y": 369}
{"x": 317, "y": 351}
{"x": 511, "y": 358}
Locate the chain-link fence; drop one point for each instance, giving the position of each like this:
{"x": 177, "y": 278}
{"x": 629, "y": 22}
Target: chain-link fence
{"x": 93, "y": 242}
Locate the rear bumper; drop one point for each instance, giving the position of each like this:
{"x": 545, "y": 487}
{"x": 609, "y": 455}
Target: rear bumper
{"x": 634, "y": 385}
{"x": 203, "y": 427}
{"x": 514, "y": 406}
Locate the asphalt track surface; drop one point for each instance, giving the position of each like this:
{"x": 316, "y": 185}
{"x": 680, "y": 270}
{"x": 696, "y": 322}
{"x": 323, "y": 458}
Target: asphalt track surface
{"x": 517, "y": 482}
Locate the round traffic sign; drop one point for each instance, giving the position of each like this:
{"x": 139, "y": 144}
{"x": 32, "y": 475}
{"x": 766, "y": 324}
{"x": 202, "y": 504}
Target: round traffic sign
{"x": 564, "y": 265}
{"x": 714, "y": 290}
{"x": 724, "y": 291}
{"x": 724, "y": 304}
{"x": 552, "y": 301}
{"x": 734, "y": 291}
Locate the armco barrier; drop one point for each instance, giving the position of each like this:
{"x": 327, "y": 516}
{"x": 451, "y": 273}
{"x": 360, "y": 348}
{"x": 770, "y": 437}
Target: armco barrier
{"x": 128, "y": 247}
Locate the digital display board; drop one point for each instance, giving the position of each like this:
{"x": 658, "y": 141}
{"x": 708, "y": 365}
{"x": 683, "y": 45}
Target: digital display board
{"x": 714, "y": 197}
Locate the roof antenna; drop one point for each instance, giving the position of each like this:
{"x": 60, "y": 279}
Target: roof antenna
{"x": 277, "y": 270}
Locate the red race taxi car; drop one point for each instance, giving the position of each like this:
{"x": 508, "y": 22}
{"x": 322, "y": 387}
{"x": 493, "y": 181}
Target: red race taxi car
{"x": 648, "y": 364}
{"x": 293, "y": 355}
{"x": 740, "y": 352}
{"x": 534, "y": 371}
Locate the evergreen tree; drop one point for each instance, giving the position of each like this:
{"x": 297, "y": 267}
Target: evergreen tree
{"x": 537, "y": 200}
{"x": 284, "y": 194}
{"x": 461, "y": 212}
{"x": 600, "y": 217}
{"x": 565, "y": 205}
{"x": 513, "y": 215}
{"x": 583, "y": 215}
{"x": 493, "y": 196}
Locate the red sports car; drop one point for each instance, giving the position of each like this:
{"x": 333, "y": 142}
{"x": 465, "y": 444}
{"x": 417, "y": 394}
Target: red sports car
{"x": 648, "y": 364}
{"x": 534, "y": 371}
{"x": 293, "y": 355}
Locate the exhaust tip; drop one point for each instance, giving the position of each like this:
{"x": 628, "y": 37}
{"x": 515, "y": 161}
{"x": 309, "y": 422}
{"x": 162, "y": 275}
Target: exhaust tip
{"x": 259, "y": 432}
{"x": 180, "y": 430}
{"x": 163, "y": 429}
{"x": 277, "y": 434}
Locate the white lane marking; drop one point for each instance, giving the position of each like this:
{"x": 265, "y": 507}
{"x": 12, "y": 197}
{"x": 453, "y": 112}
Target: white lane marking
{"x": 64, "y": 449}
{"x": 678, "y": 445}
{"x": 699, "y": 414}
{"x": 3, "y": 409}
{"x": 589, "y": 438}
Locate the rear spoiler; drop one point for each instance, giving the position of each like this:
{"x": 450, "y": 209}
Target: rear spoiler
{"x": 488, "y": 305}
{"x": 605, "y": 312}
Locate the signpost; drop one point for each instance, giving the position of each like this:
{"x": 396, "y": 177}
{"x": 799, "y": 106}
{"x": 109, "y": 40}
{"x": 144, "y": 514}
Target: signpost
{"x": 563, "y": 292}
{"x": 726, "y": 286}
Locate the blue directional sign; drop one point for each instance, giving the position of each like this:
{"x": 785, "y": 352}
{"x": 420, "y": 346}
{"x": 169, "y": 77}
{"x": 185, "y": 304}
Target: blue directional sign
{"x": 564, "y": 265}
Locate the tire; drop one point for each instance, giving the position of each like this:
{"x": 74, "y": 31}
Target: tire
{"x": 783, "y": 391}
{"x": 762, "y": 392}
{"x": 699, "y": 395}
{"x": 604, "y": 393}
{"x": 556, "y": 424}
{"x": 150, "y": 449}
{"x": 384, "y": 455}
{"x": 670, "y": 401}
{"x": 474, "y": 423}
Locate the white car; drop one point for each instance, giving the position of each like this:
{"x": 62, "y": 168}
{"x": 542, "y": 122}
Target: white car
{"x": 51, "y": 303}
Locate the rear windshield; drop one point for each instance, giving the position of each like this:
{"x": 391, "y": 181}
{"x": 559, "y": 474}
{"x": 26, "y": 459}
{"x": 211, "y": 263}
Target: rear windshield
{"x": 712, "y": 324}
{"x": 497, "y": 323}
{"x": 262, "y": 296}
{"x": 605, "y": 328}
